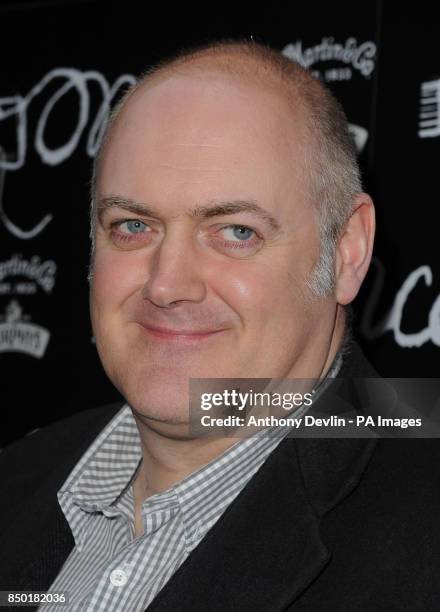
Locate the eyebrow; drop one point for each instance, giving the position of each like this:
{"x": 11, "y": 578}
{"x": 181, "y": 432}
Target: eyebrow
{"x": 215, "y": 209}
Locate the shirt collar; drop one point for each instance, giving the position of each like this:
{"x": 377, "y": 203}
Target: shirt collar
{"x": 102, "y": 474}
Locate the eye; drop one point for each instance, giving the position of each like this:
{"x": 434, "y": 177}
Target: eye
{"x": 237, "y": 240}
{"x": 130, "y": 233}
{"x": 238, "y": 232}
{"x": 132, "y": 226}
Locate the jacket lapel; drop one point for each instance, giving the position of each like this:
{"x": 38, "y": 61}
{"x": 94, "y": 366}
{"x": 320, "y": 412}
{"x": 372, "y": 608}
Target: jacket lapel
{"x": 266, "y": 549}
{"x": 46, "y": 548}
{"x": 263, "y": 551}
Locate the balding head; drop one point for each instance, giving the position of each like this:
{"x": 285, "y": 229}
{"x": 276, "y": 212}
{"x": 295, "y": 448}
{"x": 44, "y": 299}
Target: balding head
{"x": 329, "y": 163}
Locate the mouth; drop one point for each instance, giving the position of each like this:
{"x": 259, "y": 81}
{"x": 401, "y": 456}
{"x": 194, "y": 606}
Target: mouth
{"x": 186, "y": 335}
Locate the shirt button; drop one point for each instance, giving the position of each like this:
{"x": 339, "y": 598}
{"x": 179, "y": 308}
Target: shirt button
{"x": 118, "y": 577}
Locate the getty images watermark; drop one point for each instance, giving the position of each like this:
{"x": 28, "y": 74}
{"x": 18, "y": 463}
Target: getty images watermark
{"x": 355, "y": 407}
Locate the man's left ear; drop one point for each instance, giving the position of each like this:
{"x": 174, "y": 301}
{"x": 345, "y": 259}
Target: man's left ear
{"x": 353, "y": 254}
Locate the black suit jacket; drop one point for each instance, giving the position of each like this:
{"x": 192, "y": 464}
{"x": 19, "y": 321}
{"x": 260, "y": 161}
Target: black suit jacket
{"x": 325, "y": 524}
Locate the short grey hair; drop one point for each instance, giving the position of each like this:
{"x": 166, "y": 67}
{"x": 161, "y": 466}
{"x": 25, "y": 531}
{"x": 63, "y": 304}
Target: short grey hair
{"x": 330, "y": 160}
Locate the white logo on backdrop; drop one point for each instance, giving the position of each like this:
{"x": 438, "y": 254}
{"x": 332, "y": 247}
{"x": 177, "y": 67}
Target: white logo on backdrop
{"x": 429, "y": 112}
{"x": 351, "y": 54}
{"x": 39, "y": 274}
{"x": 392, "y": 321}
{"x": 16, "y": 109}
{"x": 18, "y": 335}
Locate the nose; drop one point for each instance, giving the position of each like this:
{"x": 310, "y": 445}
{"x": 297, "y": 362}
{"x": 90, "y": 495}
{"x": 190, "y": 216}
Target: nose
{"x": 174, "y": 274}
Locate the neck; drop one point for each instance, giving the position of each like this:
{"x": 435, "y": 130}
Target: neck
{"x": 167, "y": 460}
{"x": 336, "y": 340}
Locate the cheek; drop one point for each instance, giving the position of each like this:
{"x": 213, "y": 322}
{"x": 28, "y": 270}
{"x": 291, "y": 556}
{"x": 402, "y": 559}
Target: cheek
{"x": 115, "y": 277}
{"x": 260, "y": 293}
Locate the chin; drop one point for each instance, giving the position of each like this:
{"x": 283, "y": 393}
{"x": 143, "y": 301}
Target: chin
{"x": 159, "y": 398}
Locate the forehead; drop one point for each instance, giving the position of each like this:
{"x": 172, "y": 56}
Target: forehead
{"x": 204, "y": 129}
{"x": 214, "y": 99}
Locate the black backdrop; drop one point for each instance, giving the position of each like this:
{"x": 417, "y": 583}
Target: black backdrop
{"x": 64, "y": 63}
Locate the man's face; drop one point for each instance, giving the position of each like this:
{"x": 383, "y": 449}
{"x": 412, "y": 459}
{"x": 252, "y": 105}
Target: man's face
{"x": 187, "y": 284}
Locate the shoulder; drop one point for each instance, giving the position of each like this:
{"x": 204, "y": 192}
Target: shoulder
{"x": 408, "y": 469}
{"x": 61, "y": 443}
{"x": 388, "y": 530}
{"x": 396, "y": 505}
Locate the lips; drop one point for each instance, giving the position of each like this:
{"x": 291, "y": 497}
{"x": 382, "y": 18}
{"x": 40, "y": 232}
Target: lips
{"x": 166, "y": 333}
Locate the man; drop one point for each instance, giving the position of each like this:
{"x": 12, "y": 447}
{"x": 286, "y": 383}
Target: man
{"x": 229, "y": 235}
